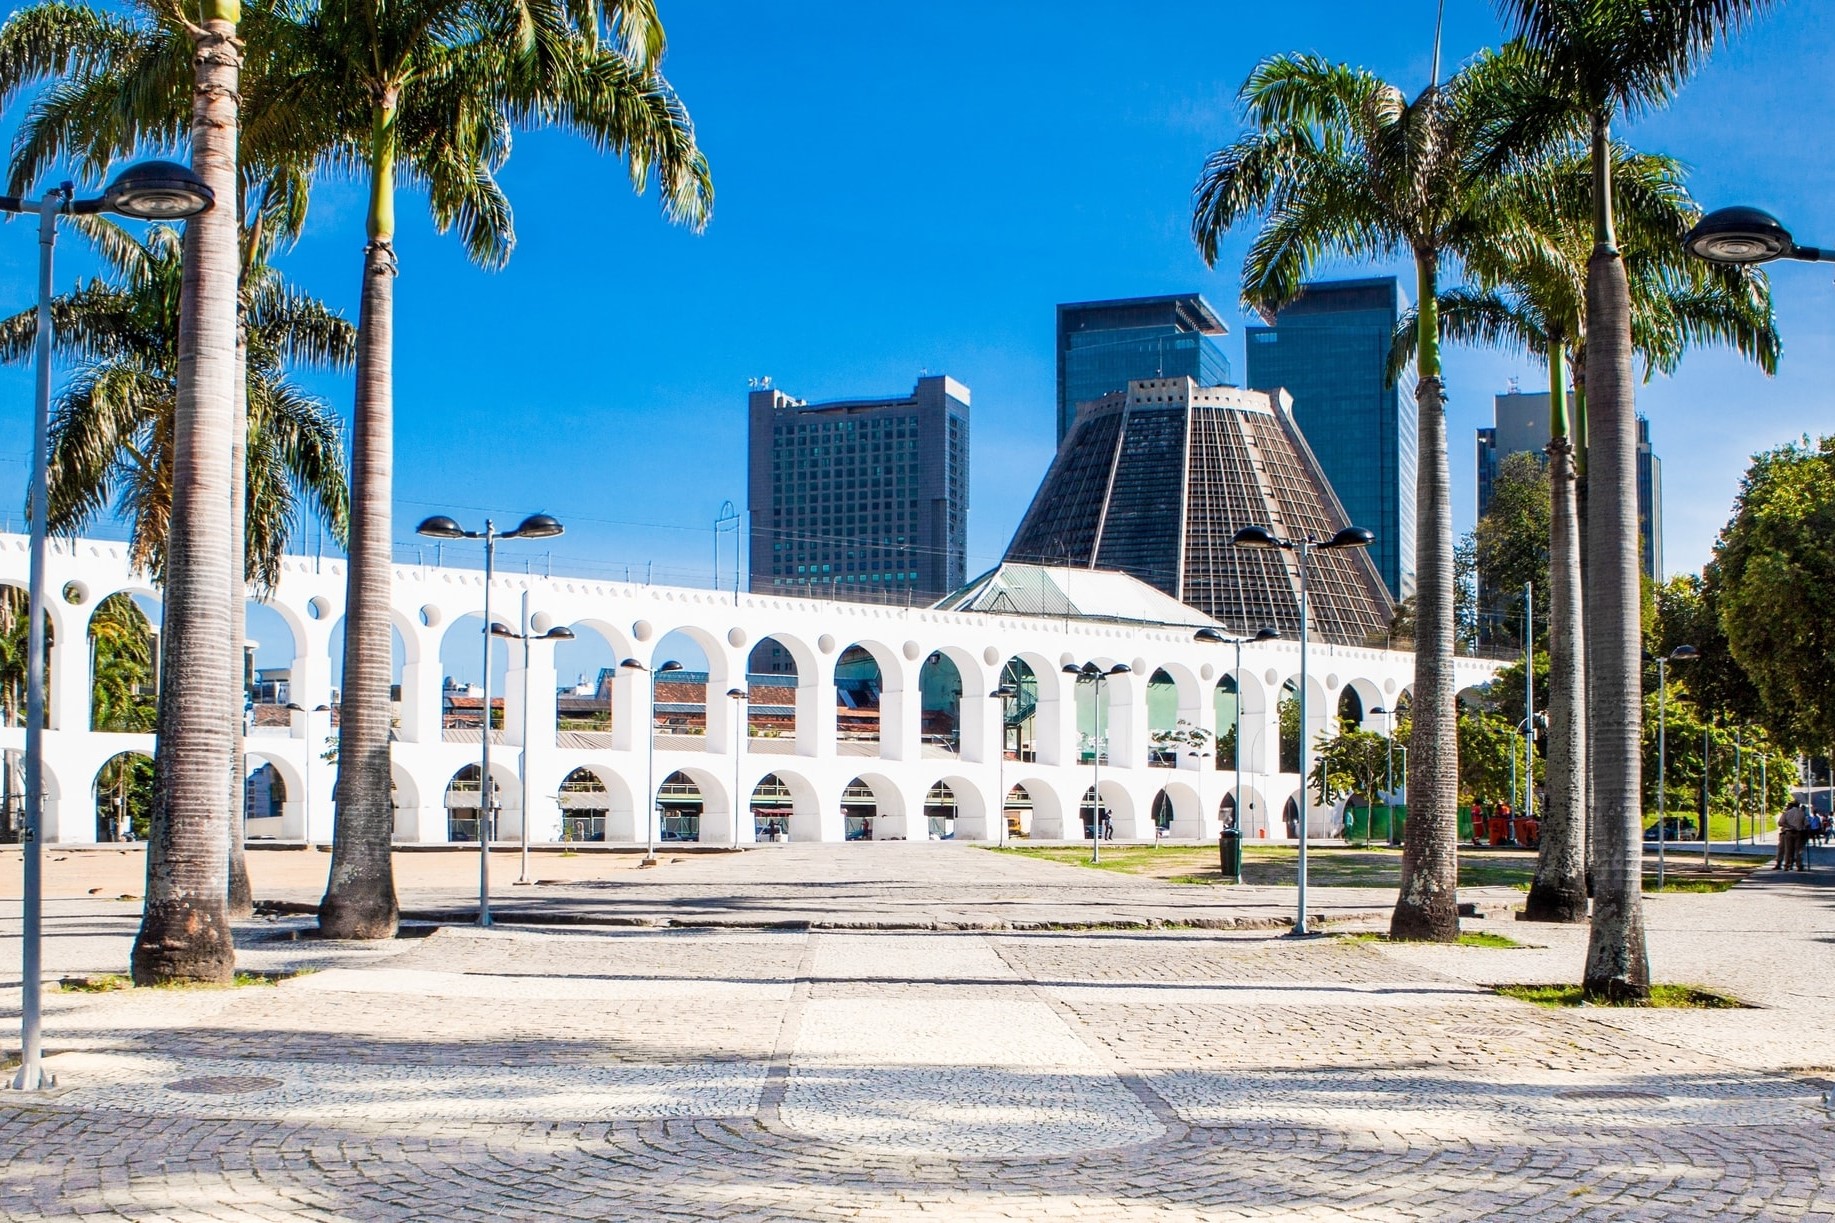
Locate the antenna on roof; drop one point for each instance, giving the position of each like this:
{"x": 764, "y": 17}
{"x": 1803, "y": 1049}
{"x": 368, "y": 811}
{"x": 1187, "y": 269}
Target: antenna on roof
{"x": 1439, "y": 20}
{"x": 1511, "y": 387}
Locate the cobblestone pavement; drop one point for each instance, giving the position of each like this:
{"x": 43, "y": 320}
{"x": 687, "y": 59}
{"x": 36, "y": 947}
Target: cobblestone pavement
{"x": 655, "y": 1073}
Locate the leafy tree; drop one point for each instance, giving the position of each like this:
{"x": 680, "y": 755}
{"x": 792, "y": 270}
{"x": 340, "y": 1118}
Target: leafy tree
{"x": 121, "y": 641}
{"x": 1340, "y": 163}
{"x": 1775, "y": 584}
{"x": 1288, "y": 712}
{"x": 1353, "y": 762}
{"x": 1511, "y": 542}
{"x": 1688, "y": 613}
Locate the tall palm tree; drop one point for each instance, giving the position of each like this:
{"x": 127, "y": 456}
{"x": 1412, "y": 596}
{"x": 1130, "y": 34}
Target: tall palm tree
{"x": 1606, "y": 58}
{"x": 1530, "y": 296}
{"x": 1339, "y": 162}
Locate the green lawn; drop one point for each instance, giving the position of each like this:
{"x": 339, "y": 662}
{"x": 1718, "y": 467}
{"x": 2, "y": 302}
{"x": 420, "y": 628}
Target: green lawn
{"x": 1688, "y": 997}
{"x": 1342, "y": 866}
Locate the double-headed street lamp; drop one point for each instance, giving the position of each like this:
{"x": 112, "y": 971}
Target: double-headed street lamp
{"x": 1742, "y": 235}
{"x": 1303, "y": 548}
{"x": 1682, "y": 653}
{"x": 1004, "y": 694}
{"x": 1099, "y": 675}
{"x": 535, "y": 526}
{"x": 631, "y": 664}
{"x": 1212, "y": 637}
{"x": 148, "y": 191}
{"x": 559, "y": 632}
{"x": 741, "y": 715}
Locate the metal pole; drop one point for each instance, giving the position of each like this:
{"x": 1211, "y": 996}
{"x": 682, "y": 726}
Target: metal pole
{"x": 1662, "y": 763}
{"x": 1389, "y": 773}
{"x": 1299, "y": 926}
{"x": 1096, "y": 779}
{"x": 650, "y": 774}
{"x": 1240, "y": 825}
{"x": 1739, "y": 783}
{"x": 484, "y": 738}
{"x": 1000, "y": 780}
{"x": 523, "y": 764}
{"x": 1706, "y": 744}
{"x": 31, "y": 1075}
{"x": 742, "y": 708}
{"x": 1529, "y": 709}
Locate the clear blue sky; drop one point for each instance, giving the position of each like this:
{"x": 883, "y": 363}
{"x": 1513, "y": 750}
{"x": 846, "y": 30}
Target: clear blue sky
{"x": 913, "y": 187}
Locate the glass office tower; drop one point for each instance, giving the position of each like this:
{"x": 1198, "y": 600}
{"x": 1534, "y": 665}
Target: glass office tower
{"x": 865, "y": 499}
{"x": 1329, "y": 349}
{"x": 1103, "y": 346}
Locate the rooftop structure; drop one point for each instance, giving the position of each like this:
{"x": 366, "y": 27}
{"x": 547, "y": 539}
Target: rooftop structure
{"x": 1155, "y": 483}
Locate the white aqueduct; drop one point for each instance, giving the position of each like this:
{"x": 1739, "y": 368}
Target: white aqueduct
{"x": 819, "y": 772}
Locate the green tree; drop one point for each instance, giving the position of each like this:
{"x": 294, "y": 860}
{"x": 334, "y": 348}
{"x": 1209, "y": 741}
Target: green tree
{"x": 1353, "y": 762}
{"x": 1338, "y": 162}
{"x": 121, "y": 642}
{"x": 1512, "y": 543}
{"x": 1604, "y": 58}
{"x": 1775, "y": 584}
{"x": 1688, "y": 613}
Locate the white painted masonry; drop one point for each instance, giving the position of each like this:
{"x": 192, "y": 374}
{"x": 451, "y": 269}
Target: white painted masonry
{"x": 815, "y": 766}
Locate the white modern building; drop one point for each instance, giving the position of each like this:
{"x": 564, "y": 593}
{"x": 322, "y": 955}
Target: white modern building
{"x": 810, "y": 778}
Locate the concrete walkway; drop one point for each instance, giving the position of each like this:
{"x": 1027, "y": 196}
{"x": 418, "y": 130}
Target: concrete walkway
{"x": 1159, "y": 1074}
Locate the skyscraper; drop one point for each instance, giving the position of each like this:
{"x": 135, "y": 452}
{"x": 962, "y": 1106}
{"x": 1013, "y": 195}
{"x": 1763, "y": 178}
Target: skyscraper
{"x": 864, "y": 499}
{"x": 1329, "y": 349}
{"x": 1103, "y": 346}
{"x": 1156, "y": 481}
{"x": 1521, "y": 425}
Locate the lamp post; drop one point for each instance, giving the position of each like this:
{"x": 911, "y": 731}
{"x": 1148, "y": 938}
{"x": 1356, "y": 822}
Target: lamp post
{"x": 1679, "y": 654}
{"x": 1389, "y": 764}
{"x": 306, "y": 774}
{"x": 631, "y": 664}
{"x": 557, "y": 633}
{"x": 535, "y": 526}
{"x": 1099, "y": 675}
{"x": 147, "y": 191}
{"x": 1529, "y": 712}
{"x": 1742, "y": 235}
{"x": 740, "y": 714}
{"x": 1303, "y": 548}
{"x": 1004, "y": 694}
{"x": 1213, "y": 637}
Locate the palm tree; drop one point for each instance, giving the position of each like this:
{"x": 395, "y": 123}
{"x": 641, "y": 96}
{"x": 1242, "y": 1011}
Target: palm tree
{"x": 1605, "y": 58}
{"x": 113, "y": 426}
{"x": 1530, "y": 297}
{"x": 1339, "y": 162}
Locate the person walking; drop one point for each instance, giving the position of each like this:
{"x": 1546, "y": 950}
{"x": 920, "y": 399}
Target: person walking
{"x": 1793, "y": 826}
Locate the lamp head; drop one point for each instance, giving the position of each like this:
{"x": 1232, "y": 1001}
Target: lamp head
{"x": 1210, "y": 636}
{"x": 1256, "y": 537}
{"x": 440, "y": 527}
{"x": 158, "y": 191}
{"x": 1738, "y": 235}
{"x": 1267, "y": 633}
{"x": 631, "y": 664}
{"x": 500, "y": 629}
{"x": 671, "y": 665}
{"x": 1120, "y": 668}
{"x": 1684, "y": 653}
{"x": 1005, "y": 692}
{"x": 536, "y": 526}
{"x": 559, "y": 632}
{"x": 738, "y": 694}
{"x": 1071, "y": 668}
{"x": 1351, "y": 537}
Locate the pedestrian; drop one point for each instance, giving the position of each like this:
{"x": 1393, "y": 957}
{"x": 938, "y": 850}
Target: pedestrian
{"x": 1793, "y": 826}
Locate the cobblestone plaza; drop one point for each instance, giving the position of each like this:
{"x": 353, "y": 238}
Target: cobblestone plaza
{"x": 762, "y": 1062}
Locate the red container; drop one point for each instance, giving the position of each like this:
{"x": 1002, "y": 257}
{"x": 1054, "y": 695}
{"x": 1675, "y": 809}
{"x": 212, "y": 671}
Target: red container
{"x": 1500, "y": 829}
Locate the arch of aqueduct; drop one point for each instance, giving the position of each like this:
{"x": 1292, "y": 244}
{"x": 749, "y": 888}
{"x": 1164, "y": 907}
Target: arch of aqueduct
{"x": 814, "y": 765}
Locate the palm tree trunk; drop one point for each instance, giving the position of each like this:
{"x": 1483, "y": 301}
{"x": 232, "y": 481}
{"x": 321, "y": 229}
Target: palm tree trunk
{"x": 184, "y": 930}
{"x": 1617, "y": 965}
{"x": 360, "y": 893}
{"x": 1558, "y": 893}
{"x": 1428, "y": 904}
{"x": 241, "y": 897}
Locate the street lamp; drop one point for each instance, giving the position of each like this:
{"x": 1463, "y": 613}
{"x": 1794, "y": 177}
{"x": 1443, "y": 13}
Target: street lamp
{"x": 1004, "y": 694}
{"x": 1682, "y": 653}
{"x": 1741, "y": 235}
{"x": 535, "y": 526}
{"x": 740, "y": 717}
{"x": 1212, "y": 637}
{"x": 1094, "y": 672}
{"x": 1303, "y": 548}
{"x": 559, "y": 632}
{"x": 147, "y": 191}
{"x": 306, "y": 798}
{"x": 631, "y": 664}
{"x": 1389, "y": 764}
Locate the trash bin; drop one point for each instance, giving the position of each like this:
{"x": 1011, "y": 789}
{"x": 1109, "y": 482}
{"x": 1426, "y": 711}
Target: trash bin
{"x": 1229, "y": 853}
{"x": 1499, "y": 829}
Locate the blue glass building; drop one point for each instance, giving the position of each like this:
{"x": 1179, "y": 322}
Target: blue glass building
{"x": 1103, "y": 346}
{"x": 1329, "y": 349}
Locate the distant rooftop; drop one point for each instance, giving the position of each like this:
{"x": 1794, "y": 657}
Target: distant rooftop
{"x": 1059, "y": 592}
{"x": 1187, "y": 311}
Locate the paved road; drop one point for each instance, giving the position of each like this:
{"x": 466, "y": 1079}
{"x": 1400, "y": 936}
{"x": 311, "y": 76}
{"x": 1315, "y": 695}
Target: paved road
{"x": 1164, "y": 1074}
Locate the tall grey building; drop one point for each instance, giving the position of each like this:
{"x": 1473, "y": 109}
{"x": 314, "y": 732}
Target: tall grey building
{"x": 1329, "y": 349}
{"x": 863, "y": 499}
{"x": 1520, "y": 425}
{"x": 1156, "y": 481}
{"x": 1104, "y": 345}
